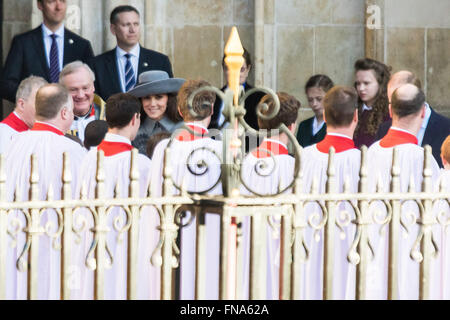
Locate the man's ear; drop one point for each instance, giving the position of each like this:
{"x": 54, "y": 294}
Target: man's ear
{"x": 179, "y": 112}
{"x": 390, "y": 110}
{"x": 424, "y": 111}
{"x": 20, "y": 104}
{"x": 355, "y": 116}
{"x": 323, "y": 114}
{"x": 112, "y": 28}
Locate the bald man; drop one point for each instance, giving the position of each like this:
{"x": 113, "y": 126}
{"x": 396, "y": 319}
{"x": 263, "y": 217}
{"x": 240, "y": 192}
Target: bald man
{"x": 435, "y": 127}
{"x": 407, "y": 110}
{"x": 46, "y": 140}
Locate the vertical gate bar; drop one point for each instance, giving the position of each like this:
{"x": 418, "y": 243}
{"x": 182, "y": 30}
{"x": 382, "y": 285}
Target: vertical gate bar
{"x": 427, "y": 222}
{"x": 133, "y": 233}
{"x": 100, "y": 229}
{"x": 3, "y": 229}
{"x": 329, "y": 230}
{"x": 67, "y": 229}
{"x": 285, "y": 254}
{"x": 258, "y": 263}
{"x": 299, "y": 255}
{"x": 240, "y": 259}
{"x": 168, "y": 231}
{"x": 33, "y": 232}
{"x": 394, "y": 229}
{"x": 363, "y": 224}
{"x": 200, "y": 256}
{"x": 224, "y": 228}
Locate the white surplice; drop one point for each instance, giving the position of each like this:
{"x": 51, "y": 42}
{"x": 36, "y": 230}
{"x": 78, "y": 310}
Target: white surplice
{"x": 314, "y": 163}
{"x": 266, "y": 171}
{"x": 186, "y": 156}
{"x": 49, "y": 147}
{"x": 410, "y": 160}
{"x": 117, "y": 172}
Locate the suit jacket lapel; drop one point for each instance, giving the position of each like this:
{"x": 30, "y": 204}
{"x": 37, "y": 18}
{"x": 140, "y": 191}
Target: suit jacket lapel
{"x": 144, "y": 62}
{"x": 38, "y": 40}
{"x": 428, "y": 136}
{"x": 69, "y": 46}
{"x": 114, "y": 75}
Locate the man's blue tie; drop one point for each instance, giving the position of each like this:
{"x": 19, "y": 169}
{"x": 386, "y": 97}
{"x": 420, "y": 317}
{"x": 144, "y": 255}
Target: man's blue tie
{"x": 54, "y": 61}
{"x": 130, "y": 80}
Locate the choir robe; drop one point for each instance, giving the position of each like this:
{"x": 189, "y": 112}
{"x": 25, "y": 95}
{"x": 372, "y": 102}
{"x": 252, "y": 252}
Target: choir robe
{"x": 265, "y": 171}
{"x": 441, "y": 265}
{"x": 411, "y": 158}
{"x": 48, "y": 144}
{"x": 314, "y": 163}
{"x": 9, "y": 127}
{"x": 117, "y": 150}
{"x": 186, "y": 146}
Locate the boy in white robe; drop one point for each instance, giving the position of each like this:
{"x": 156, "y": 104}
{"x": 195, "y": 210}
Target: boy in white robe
{"x": 123, "y": 118}
{"x": 186, "y": 151}
{"x": 22, "y": 118}
{"x": 341, "y": 117}
{"x": 407, "y": 111}
{"x": 54, "y": 116}
{"x": 265, "y": 171}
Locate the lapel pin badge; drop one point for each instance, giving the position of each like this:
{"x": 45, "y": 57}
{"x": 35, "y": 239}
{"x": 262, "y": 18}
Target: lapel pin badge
{"x": 145, "y": 64}
{"x": 70, "y": 41}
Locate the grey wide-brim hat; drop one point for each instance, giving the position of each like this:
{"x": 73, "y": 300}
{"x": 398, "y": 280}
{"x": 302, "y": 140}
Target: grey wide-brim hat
{"x": 156, "y": 82}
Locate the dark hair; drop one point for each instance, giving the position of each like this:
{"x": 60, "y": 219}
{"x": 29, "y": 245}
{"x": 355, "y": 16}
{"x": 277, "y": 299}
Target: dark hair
{"x": 339, "y": 105}
{"x": 154, "y": 140}
{"x": 202, "y": 103}
{"x": 403, "y": 108}
{"x": 118, "y": 10}
{"x": 247, "y": 58}
{"x": 95, "y": 133}
{"x": 380, "y": 107}
{"x": 50, "y": 99}
{"x": 120, "y": 109}
{"x": 319, "y": 81}
{"x": 171, "y": 109}
{"x": 287, "y": 115}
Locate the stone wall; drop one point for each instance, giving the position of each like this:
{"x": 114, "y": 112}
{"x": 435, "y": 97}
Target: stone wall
{"x": 290, "y": 40}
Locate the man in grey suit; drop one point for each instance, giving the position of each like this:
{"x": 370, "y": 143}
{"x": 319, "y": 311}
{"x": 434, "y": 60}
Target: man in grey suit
{"x": 43, "y": 51}
{"x": 117, "y": 70}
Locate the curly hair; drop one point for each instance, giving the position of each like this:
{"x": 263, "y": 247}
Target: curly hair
{"x": 287, "y": 115}
{"x": 380, "y": 107}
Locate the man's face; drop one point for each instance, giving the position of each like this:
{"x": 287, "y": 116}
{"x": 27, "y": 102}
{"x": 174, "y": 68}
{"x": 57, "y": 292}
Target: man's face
{"x": 53, "y": 11}
{"x": 127, "y": 29}
{"x": 81, "y": 87}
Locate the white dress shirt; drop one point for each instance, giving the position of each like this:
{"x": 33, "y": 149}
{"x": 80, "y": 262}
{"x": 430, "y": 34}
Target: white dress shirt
{"x": 122, "y": 62}
{"x": 46, "y": 33}
{"x": 421, "y": 132}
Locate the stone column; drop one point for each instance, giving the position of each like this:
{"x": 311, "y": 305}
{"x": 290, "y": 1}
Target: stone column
{"x": 375, "y": 27}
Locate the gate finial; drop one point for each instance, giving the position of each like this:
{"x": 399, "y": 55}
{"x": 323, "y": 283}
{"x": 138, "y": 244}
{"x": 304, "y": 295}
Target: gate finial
{"x": 234, "y": 62}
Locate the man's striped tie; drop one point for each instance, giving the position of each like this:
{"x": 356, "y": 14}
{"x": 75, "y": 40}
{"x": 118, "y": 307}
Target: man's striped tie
{"x": 130, "y": 80}
{"x": 54, "y": 61}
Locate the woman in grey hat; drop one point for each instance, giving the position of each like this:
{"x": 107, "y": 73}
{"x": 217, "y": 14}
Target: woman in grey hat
{"x": 158, "y": 95}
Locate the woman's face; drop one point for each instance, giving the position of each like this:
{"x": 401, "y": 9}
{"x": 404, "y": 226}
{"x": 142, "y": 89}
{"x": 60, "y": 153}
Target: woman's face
{"x": 367, "y": 86}
{"x": 315, "y": 97}
{"x": 155, "y": 106}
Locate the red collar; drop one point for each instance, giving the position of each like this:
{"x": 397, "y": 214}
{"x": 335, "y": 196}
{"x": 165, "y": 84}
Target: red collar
{"x": 339, "y": 143}
{"x": 112, "y": 148}
{"x": 15, "y": 123}
{"x": 185, "y": 135}
{"x": 396, "y": 137}
{"x": 39, "y": 126}
{"x": 91, "y": 114}
{"x": 268, "y": 149}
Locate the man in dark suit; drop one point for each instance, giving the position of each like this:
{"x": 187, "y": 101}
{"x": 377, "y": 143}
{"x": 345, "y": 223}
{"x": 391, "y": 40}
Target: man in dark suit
{"x": 118, "y": 70}
{"x": 435, "y": 127}
{"x": 43, "y": 51}
{"x": 251, "y": 103}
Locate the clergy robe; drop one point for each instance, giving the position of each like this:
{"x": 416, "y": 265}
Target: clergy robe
{"x": 49, "y": 144}
{"x": 265, "y": 171}
{"x": 117, "y": 151}
{"x": 314, "y": 165}
{"x": 186, "y": 153}
{"x": 411, "y": 158}
{"x": 9, "y": 127}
